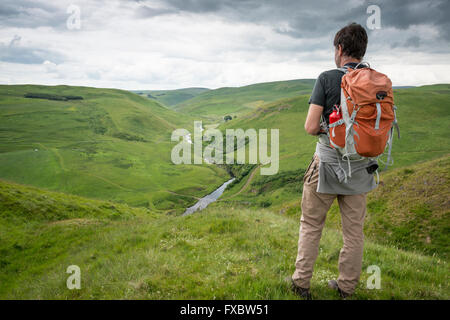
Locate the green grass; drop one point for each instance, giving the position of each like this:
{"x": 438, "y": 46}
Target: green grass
{"x": 112, "y": 145}
{"x": 411, "y": 208}
{"x": 129, "y": 253}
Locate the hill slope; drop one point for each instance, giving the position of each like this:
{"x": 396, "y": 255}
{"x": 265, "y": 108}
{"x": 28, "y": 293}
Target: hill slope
{"x": 170, "y": 98}
{"x": 411, "y": 208}
{"x": 129, "y": 253}
{"x": 422, "y": 115}
{"x": 217, "y": 103}
{"x": 112, "y": 145}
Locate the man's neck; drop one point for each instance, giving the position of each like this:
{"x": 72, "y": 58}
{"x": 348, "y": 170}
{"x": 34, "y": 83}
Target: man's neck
{"x": 346, "y": 60}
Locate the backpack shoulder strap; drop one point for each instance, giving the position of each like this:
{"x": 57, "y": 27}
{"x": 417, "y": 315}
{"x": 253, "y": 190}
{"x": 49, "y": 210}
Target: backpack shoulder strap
{"x": 344, "y": 69}
{"x": 365, "y": 64}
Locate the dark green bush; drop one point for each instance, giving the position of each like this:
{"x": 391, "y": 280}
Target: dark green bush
{"x": 51, "y": 97}
{"x": 128, "y": 137}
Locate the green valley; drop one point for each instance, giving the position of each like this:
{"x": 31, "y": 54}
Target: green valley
{"x": 112, "y": 145}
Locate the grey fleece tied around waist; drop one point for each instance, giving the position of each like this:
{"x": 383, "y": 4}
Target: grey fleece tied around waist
{"x": 332, "y": 157}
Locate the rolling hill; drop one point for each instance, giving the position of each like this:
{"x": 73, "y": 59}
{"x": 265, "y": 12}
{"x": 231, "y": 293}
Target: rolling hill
{"x": 170, "y": 98}
{"x": 214, "y": 104}
{"x": 111, "y": 144}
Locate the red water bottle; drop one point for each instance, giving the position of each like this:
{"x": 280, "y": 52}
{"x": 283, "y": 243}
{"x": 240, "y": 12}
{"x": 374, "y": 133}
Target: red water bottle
{"x": 335, "y": 115}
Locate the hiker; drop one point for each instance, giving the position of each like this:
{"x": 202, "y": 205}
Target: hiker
{"x": 331, "y": 175}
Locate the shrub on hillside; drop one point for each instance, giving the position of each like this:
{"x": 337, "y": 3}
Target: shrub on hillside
{"x": 128, "y": 137}
{"x": 51, "y": 96}
{"x": 74, "y": 97}
{"x": 290, "y": 180}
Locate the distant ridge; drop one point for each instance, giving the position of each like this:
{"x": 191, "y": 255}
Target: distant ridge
{"x": 403, "y": 87}
{"x": 231, "y": 100}
{"x": 171, "y": 97}
{"x": 235, "y": 101}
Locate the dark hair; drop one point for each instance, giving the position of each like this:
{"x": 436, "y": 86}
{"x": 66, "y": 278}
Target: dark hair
{"x": 353, "y": 39}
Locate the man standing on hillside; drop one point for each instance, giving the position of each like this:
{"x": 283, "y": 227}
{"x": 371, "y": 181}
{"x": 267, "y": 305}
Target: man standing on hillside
{"x": 321, "y": 184}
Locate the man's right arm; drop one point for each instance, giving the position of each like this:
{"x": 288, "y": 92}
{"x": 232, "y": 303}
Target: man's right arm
{"x": 316, "y": 106}
{"x": 312, "y": 123}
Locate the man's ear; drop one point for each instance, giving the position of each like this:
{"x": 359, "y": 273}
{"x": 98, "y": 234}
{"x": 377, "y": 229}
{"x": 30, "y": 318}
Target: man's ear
{"x": 339, "y": 49}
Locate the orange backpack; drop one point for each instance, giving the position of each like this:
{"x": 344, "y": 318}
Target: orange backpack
{"x": 368, "y": 115}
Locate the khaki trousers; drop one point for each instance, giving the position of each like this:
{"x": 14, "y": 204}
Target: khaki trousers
{"x": 314, "y": 210}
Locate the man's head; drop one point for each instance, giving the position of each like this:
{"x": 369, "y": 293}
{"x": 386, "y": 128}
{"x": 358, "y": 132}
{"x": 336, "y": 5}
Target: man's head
{"x": 350, "y": 44}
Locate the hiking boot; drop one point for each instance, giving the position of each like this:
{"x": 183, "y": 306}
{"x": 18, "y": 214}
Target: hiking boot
{"x": 332, "y": 284}
{"x": 303, "y": 293}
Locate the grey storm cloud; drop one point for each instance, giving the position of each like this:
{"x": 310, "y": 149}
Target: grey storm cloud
{"x": 295, "y": 18}
{"x": 413, "y": 42}
{"x": 15, "y": 53}
{"x": 31, "y": 14}
{"x": 315, "y": 18}
{"x": 147, "y": 12}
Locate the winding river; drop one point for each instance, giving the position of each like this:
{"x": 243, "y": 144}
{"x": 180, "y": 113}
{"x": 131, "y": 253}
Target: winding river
{"x": 206, "y": 200}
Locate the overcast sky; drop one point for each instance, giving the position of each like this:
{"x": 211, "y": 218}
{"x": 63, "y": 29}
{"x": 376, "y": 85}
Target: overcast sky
{"x": 169, "y": 44}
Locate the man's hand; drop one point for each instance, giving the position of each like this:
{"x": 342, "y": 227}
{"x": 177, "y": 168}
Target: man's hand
{"x": 312, "y": 123}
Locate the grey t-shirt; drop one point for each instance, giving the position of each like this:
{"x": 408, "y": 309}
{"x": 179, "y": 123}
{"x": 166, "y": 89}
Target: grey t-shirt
{"x": 327, "y": 93}
{"x": 327, "y": 89}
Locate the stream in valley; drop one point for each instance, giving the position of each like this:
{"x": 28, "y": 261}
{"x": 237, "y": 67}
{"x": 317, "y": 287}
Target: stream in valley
{"x": 206, "y": 200}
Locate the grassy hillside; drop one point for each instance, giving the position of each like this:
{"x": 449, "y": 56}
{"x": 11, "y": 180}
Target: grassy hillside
{"x": 132, "y": 253}
{"x": 217, "y": 103}
{"x": 170, "y": 98}
{"x": 422, "y": 115}
{"x": 410, "y": 209}
{"x": 112, "y": 145}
